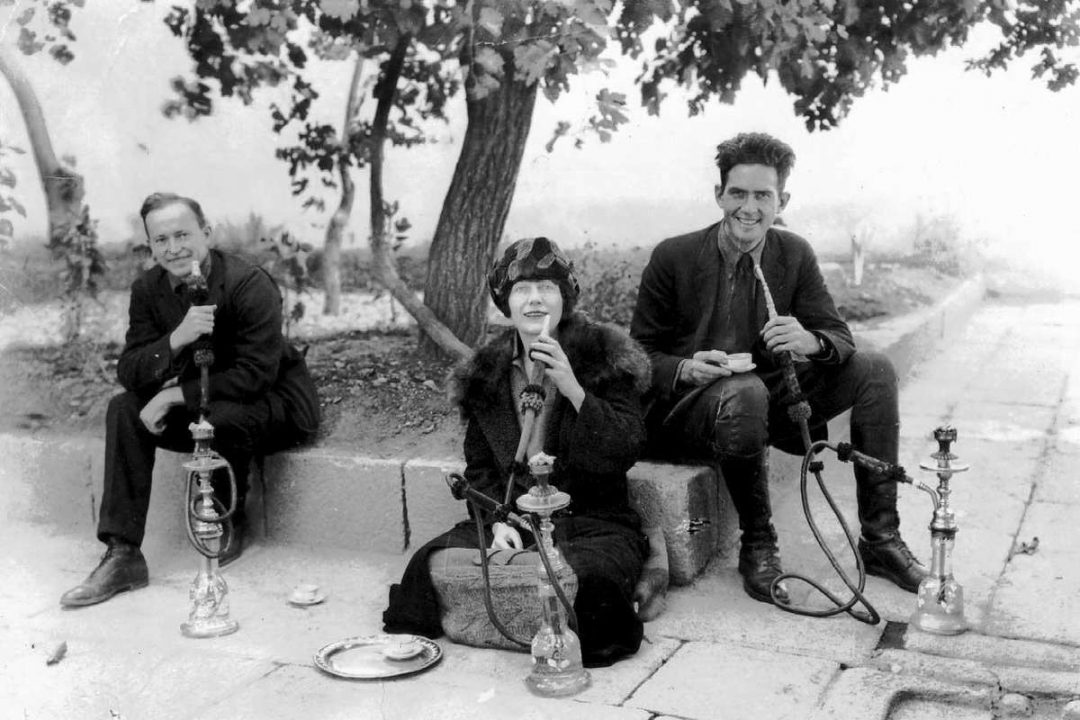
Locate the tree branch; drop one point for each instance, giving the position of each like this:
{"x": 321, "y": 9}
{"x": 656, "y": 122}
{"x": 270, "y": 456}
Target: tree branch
{"x": 383, "y": 264}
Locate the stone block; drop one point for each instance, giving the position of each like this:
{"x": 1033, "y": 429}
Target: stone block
{"x": 166, "y": 532}
{"x": 684, "y": 501}
{"x": 430, "y": 509}
{"x": 323, "y": 498}
{"x": 49, "y": 481}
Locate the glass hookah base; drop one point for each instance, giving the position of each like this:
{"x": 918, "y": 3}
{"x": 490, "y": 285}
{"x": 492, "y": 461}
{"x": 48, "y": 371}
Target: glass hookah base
{"x": 939, "y": 624}
{"x": 558, "y": 684}
{"x": 209, "y": 627}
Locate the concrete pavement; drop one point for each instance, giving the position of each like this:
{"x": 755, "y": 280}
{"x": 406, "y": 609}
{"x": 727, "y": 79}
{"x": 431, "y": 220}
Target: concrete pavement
{"x": 1011, "y": 387}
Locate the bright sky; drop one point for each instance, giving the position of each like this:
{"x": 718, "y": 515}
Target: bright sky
{"x": 997, "y": 154}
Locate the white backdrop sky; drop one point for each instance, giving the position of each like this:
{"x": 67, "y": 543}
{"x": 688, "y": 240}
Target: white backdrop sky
{"x": 998, "y": 154}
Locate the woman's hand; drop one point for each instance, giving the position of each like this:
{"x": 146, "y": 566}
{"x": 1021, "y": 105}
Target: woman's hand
{"x": 557, "y": 367}
{"x": 506, "y": 537}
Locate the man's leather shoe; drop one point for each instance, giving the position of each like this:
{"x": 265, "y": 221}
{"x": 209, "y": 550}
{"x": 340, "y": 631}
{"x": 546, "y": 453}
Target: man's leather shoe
{"x": 893, "y": 560}
{"x": 122, "y": 568}
{"x": 236, "y": 545}
{"x": 760, "y": 565}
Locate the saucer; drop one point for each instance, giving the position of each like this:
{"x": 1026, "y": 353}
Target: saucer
{"x": 741, "y": 368}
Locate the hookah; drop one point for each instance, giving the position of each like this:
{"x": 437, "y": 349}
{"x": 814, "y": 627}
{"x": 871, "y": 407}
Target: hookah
{"x": 557, "y": 669}
{"x": 207, "y": 519}
{"x": 940, "y": 603}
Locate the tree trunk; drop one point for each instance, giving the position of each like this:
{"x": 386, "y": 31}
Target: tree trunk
{"x": 62, "y": 186}
{"x": 382, "y": 261}
{"x": 475, "y": 208}
{"x": 340, "y": 219}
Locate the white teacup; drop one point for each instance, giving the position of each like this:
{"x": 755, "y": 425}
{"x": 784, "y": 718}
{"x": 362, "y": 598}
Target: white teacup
{"x": 739, "y": 362}
{"x": 305, "y": 594}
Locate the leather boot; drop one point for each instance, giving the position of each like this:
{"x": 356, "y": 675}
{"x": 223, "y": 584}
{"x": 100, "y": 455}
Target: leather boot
{"x": 236, "y": 541}
{"x": 884, "y": 552}
{"x": 759, "y": 556}
{"x": 122, "y": 568}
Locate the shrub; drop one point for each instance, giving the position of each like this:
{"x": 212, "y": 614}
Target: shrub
{"x": 609, "y": 279}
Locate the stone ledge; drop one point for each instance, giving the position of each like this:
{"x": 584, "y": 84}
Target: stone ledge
{"x": 331, "y": 497}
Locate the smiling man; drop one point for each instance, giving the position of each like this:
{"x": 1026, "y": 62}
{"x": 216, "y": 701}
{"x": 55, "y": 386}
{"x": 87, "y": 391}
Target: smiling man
{"x": 699, "y": 302}
{"x": 261, "y": 395}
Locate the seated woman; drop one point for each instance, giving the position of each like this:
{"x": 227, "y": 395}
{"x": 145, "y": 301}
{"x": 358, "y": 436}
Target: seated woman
{"x": 591, "y": 422}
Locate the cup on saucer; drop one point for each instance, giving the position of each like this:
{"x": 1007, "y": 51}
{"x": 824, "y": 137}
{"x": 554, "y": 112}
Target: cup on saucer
{"x": 306, "y": 594}
{"x": 740, "y": 362}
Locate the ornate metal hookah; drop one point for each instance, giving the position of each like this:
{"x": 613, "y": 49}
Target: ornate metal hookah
{"x": 208, "y": 521}
{"x": 556, "y": 649}
{"x": 940, "y": 605}
{"x": 940, "y": 598}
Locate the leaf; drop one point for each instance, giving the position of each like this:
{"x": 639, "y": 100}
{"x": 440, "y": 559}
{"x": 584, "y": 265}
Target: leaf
{"x": 7, "y": 177}
{"x": 491, "y": 61}
{"x": 491, "y": 20}
{"x": 6, "y": 228}
{"x": 26, "y": 16}
{"x": 28, "y": 42}
{"x": 531, "y": 60}
{"x": 483, "y": 85}
{"x": 589, "y": 12}
{"x": 343, "y": 10}
{"x": 258, "y": 16}
{"x": 57, "y": 654}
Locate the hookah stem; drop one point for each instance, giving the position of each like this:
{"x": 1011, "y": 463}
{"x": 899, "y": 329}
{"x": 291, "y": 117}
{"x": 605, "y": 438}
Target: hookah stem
{"x": 871, "y": 616}
{"x": 553, "y": 579}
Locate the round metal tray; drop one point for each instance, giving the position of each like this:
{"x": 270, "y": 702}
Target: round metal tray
{"x": 362, "y": 658}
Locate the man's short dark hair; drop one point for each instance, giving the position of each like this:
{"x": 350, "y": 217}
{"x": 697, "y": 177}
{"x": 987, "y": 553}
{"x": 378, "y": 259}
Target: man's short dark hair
{"x": 156, "y": 201}
{"x": 755, "y": 149}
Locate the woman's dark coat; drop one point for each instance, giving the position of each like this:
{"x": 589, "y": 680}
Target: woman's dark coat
{"x": 600, "y": 535}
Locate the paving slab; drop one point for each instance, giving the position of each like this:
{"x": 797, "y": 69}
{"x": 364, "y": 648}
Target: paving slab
{"x": 149, "y": 681}
{"x": 995, "y": 651}
{"x": 709, "y": 680}
{"x": 866, "y": 694}
{"x": 293, "y": 691}
{"x": 1005, "y": 677}
{"x": 1057, "y": 478}
{"x": 715, "y": 609}
{"x": 1038, "y": 596}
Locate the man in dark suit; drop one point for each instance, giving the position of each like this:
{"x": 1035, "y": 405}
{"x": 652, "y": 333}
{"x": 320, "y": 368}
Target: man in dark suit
{"x": 699, "y": 302}
{"x": 261, "y": 395}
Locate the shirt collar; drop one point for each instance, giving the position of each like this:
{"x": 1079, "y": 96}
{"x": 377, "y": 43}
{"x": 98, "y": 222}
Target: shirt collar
{"x": 730, "y": 251}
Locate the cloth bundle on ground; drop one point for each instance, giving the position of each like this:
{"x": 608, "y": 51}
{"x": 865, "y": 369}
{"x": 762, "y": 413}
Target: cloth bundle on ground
{"x": 513, "y": 574}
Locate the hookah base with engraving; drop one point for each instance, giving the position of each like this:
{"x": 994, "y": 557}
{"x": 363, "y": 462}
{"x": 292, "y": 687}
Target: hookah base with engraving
{"x": 557, "y": 683}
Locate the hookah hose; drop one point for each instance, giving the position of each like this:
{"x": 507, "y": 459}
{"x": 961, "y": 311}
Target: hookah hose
{"x": 799, "y": 411}
{"x": 461, "y": 490}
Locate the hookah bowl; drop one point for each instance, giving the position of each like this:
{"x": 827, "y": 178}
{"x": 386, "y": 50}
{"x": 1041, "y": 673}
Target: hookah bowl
{"x": 940, "y": 599}
{"x": 557, "y": 669}
{"x": 209, "y": 593}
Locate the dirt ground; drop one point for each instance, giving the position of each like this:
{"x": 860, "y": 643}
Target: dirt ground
{"x": 379, "y": 398}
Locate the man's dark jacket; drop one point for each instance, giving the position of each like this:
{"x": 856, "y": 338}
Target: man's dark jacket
{"x": 252, "y": 360}
{"x": 678, "y": 295}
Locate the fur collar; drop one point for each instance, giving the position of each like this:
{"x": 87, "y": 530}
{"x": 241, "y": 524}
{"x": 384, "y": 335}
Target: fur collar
{"x": 599, "y": 353}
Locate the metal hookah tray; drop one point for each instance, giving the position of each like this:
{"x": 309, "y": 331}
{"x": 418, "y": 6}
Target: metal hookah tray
{"x": 378, "y": 657}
